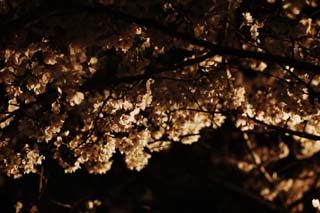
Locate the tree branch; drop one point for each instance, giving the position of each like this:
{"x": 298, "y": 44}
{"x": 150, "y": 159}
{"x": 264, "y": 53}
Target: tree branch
{"x": 217, "y": 49}
{"x": 289, "y": 131}
{"x": 150, "y": 23}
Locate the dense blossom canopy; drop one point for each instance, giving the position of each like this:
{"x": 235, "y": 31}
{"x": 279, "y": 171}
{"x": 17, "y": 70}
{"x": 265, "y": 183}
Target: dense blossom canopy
{"x": 84, "y": 80}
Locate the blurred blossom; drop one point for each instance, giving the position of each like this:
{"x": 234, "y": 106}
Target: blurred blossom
{"x": 18, "y": 207}
{"x": 316, "y": 203}
{"x": 247, "y": 18}
{"x": 76, "y": 99}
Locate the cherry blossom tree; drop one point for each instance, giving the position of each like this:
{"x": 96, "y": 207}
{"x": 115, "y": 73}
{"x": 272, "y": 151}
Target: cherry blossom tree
{"x": 83, "y": 81}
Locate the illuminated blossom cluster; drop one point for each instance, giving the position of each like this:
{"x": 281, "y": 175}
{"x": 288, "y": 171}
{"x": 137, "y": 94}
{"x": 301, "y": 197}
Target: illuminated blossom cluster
{"x": 21, "y": 163}
{"x": 136, "y": 85}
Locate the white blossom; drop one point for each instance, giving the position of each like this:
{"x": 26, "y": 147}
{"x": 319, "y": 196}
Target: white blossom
{"x": 76, "y": 99}
{"x": 247, "y": 18}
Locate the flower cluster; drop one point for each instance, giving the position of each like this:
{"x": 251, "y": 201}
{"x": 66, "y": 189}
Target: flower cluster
{"x": 133, "y": 87}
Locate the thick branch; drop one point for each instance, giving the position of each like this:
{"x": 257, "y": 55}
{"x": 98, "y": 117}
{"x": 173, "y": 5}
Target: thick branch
{"x": 165, "y": 69}
{"x": 289, "y": 131}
